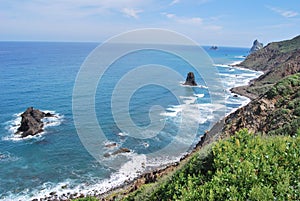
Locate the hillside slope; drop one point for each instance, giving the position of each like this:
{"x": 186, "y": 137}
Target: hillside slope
{"x": 276, "y": 60}
{"x": 275, "y": 112}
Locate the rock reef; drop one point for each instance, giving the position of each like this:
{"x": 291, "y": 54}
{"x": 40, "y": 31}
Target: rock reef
{"x": 31, "y": 123}
{"x": 190, "y": 79}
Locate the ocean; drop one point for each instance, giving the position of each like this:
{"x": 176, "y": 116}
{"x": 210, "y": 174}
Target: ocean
{"x": 43, "y": 75}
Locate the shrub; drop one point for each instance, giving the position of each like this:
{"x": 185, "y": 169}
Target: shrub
{"x": 244, "y": 167}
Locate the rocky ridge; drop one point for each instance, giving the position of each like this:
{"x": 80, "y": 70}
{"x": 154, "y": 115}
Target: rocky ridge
{"x": 256, "y": 46}
{"x": 276, "y": 60}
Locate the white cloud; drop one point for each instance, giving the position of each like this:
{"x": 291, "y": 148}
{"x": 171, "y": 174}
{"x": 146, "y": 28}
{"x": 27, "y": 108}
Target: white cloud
{"x": 184, "y": 20}
{"x": 130, "y": 12}
{"x": 284, "y": 13}
{"x": 192, "y": 21}
{"x": 174, "y": 2}
{"x": 169, "y": 15}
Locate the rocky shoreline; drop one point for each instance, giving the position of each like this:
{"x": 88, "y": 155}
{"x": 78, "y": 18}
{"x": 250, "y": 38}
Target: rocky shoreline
{"x": 274, "y": 63}
{"x": 276, "y": 60}
{"x": 130, "y": 186}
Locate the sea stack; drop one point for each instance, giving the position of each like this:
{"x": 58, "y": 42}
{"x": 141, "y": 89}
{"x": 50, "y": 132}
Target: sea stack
{"x": 31, "y": 123}
{"x": 190, "y": 79}
{"x": 256, "y": 46}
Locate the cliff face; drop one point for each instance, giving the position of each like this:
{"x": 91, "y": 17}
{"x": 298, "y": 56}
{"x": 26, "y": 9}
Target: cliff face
{"x": 256, "y": 46}
{"x": 275, "y": 112}
{"x": 276, "y": 60}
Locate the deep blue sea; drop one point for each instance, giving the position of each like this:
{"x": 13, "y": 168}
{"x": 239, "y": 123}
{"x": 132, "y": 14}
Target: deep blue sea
{"x": 43, "y": 74}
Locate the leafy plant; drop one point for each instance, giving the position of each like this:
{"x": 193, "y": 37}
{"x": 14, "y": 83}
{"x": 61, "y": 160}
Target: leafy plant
{"x": 244, "y": 167}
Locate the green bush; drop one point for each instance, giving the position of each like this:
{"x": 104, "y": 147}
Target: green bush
{"x": 297, "y": 111}
{"x": 87, "y": 199}
{"x": 244, "y": 167}
{"x": 285, "y": 87}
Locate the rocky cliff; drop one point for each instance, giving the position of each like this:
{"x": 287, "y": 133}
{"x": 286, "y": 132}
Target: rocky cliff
{"x": 256, "y": 46}
{"x": 275, "y": 105}
{"x": 276, "y": 60}
{"x": 275, "y": 112}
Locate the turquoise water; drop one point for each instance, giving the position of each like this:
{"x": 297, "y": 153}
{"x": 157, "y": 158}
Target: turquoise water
{"x": 42, "y": 75}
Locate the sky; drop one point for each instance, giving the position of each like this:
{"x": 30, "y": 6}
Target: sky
{"x": 208, "y": 22}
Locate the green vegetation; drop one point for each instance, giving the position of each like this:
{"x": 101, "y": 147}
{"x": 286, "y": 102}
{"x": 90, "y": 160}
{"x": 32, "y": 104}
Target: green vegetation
{"x": 287, "y": 45}
{"x": 244, "y": 167}
{"x": 287, "y": 107}
{"x": 286, "y": 87}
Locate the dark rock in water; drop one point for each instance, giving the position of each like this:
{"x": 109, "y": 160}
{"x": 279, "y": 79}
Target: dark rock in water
{"x": 213, "y": 47}
{"x": 235, "y": 96}
{"x": 48, "y": 114}
{"x": 106, "y": 155}
{"x": 31, "y": 123}
{"x": 120, "y": 151}
{"x": 52, "y": 193}
{"x": 190, "y": 79}
{"x": 256, "y": 46}
{"x": 111, "y": 145}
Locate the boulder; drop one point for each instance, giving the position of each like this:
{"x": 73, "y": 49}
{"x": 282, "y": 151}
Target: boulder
{"x": 190, "y": 79}
{"x": 256, "y": 46}
{"x": 31, "y": 123}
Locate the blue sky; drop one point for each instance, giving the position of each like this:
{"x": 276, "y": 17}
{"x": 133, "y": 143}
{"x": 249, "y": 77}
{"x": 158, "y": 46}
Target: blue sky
{"x": 209, "y": 22}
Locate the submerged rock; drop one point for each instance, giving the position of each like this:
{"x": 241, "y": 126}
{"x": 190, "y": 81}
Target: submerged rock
{"x": 31, "y": 123}
{"x": 120, "y": 151}
{"x": 111, "y": 145}
{"x": 256, "y": 46}
{"x": 190, "y": 79}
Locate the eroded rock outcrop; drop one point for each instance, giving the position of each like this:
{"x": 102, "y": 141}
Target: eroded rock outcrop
{"x": 190, "y": 79}
{"x": 256, "y": 46}
{"x": 31, "y": 123}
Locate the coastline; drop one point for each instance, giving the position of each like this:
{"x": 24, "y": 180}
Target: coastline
{"x": 151, "y": 176}
{"x": 206, "y": 139}
{"x": 277, "y": 75}
{"x": 64, "y": 188}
